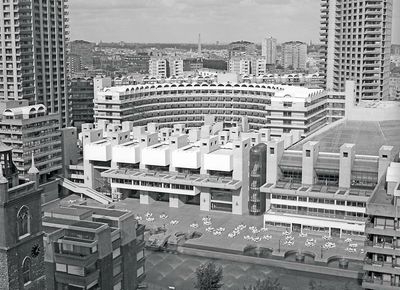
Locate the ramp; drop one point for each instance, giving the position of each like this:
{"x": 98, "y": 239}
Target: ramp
{"x": 88, "y": 192}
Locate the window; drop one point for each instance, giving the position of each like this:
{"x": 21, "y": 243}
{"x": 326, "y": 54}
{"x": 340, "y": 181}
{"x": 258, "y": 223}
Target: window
{"x": 23, "y": 222}
{"x": 140, "y": 271}
{"x": 345, "y": 154}
{"x": 118, "y": 286}
{"x": 271, "y": 151}
{"x": 308, "y": 153}
{"x": 139, "y": 255}
{"x": 76, "y": 270}
{"x": 116, "y": 253}
{"x": 116, "y": 270}
{"x": 61, "y": 267}
{"x": 26, "y": 270}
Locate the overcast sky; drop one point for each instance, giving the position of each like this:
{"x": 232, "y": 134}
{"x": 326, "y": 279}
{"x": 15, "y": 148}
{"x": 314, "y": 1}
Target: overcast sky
{"x": 216, "y": 20}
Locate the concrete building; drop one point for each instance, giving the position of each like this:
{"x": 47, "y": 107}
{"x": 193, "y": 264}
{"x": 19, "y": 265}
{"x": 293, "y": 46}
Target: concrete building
{"x": 101, "y": 82}
{"x": 294, "y": 55}
{"x": 33, "y": 54}
{"x": 280, "y": 108}
{"x": 394, "y": 87}
{"x": 311, "y": 81}
{"x": 83, "y": 50}
{"x": 242, "y": 48}
{"x": 192, "y": 64}
{"x": 32, "y": 132}
{"x": 21, "y": 236}
{"x": 175, "y": 67}
{"x": 268, "y": 50}
{"x": 356, "y": 37}
{"x": 258, "y": 66}
{"x": 92, "y": 248}
{"x": 240, "y": 65}
{"x": 74, "y": 64}
{"x": 159, "y": 68}
{"x": 310, "y": 190}
{"x": 382, "y": 262}
{"x": 207, "y": 166}
{"x": 80, "y": 98}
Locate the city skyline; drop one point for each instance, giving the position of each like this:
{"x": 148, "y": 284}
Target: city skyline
{"x": 182, "y": 20}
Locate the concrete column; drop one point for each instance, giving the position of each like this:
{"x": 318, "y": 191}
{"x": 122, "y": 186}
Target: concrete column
{"x": 241, "y": 154}
{"x": 386, "y": 156}
{"x": 176, "y": 200}
{"x": 310, "y": 155}
{"x": 146, "y": 197}
{"x": 205, "y": 199}
{"x": 274, "y": 155}
{"x": 347, "y": 154}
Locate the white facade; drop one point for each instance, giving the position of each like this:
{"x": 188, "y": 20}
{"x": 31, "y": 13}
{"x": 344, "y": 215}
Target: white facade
{"x": 176, "y": 67}
{"x": 158, "y": 68}
{"x": 280, "y": 107}
{"x": 239, "y": 65}
{"x": 322, "y": 192}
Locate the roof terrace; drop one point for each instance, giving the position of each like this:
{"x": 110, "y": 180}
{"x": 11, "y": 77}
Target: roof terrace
{"x": 174, "y": 178}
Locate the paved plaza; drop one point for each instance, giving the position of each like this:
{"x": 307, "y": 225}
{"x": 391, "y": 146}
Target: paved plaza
{"x": 218, "y": 230}
{"x": 166, "y": 269}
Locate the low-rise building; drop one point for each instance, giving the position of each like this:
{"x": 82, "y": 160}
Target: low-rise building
{"x": 310, "y": 190}
{"x": 92, "y": 248}
{"x": 278, "y": 107}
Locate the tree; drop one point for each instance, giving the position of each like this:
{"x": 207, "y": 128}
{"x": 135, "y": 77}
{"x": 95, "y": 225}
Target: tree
{"x": 209, "y": 277}
{"x": 265, "y": 284}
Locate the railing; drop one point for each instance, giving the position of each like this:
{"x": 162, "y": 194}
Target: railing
{"x": 78, "y": 188}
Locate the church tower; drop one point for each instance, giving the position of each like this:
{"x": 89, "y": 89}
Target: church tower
{"x": 21, "y": 237}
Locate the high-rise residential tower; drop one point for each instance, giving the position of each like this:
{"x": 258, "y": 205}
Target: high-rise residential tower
{"x": 268, "y": 50}
{"x": 32, "y": 53}
{"x": 356, "y": 36}
{"x": 294, "y": 54}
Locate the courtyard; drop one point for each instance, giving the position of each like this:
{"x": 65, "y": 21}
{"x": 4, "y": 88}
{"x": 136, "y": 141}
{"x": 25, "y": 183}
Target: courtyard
{"x": 226, "y": 231}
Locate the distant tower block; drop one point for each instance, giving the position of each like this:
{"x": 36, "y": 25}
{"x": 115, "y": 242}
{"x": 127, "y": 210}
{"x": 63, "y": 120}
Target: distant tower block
{"x": 199, "y": 45}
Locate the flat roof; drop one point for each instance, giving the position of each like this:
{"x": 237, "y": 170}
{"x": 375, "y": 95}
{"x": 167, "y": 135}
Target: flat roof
{"x": 102, "y": 211}
{"x": 50, "y": 221}
{"x": 222, "y": 151}
{"x": 68, "y": 211}
{"x": 368, "y": 137}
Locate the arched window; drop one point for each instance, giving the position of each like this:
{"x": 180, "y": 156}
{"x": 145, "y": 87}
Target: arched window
{"x": 26, "y": 270}
{"x": 23, "y": 221}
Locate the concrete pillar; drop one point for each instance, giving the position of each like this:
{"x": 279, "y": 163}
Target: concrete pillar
{"x": 274, "y": 155}
{"x": 346, "y": 159}
{"x": 176, "y": 200}
{"x": 146, "y": 197}
{"x": 309, "y": 160}
{"x": 265, "y": 135}
{"x": 386, "y": 155}
{"x": 205, "y": 199}
{"x": 194, "y": 135}
{"x": 241, "y": 154}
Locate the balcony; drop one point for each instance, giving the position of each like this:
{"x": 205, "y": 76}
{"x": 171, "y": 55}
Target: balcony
{"x": 375, "y": 283}
{"x": 381, "y": 267}
{"x": 82, "y": 281}
{"x": 370, "y": 228}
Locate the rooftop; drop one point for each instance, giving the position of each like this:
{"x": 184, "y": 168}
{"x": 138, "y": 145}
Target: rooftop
{"x": 358, "y": 133}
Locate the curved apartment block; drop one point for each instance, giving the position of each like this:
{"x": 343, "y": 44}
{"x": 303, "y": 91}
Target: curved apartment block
{"x": 277, "y": 107}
